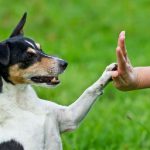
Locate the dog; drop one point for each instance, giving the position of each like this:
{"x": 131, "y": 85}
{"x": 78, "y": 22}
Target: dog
{"x": 26, "y": 121}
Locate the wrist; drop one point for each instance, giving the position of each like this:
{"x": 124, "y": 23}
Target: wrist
{"x": 140, "y": 81}
{"x": 136, "y": 82}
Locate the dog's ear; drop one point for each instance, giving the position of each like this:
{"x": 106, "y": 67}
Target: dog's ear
{"x": 1, "y": 84}
{"x": 19, "y": 28}
{"x": 4, "y": 59}
{"x": 4, "y": 54}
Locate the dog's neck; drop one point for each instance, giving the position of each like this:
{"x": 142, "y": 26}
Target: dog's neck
{"x": 10, "y": 88}
{"x": 15, "y": 92}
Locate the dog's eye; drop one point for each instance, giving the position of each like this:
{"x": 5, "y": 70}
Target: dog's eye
{"x": 31, "y": 54}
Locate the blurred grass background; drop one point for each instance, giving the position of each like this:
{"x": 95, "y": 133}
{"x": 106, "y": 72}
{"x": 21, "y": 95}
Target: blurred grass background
{"x": 84, "y": 32}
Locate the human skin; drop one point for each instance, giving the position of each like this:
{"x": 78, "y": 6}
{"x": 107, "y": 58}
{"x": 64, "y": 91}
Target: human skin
{"x": 127, "y": 77}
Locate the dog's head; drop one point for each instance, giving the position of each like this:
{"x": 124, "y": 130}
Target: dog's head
{"x": 22, "y": 61}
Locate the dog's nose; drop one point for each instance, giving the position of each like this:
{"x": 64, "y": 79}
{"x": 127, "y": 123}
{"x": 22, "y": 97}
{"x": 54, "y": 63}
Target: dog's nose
{"x": 63, "y": 64}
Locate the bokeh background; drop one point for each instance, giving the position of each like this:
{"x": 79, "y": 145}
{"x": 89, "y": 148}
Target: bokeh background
{"x": 84, "y": 32}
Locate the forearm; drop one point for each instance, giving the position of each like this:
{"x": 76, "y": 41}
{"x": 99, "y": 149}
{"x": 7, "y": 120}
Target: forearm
{"x": 75, "y": 113}
{"x": 83, "y": 104}
{"x": 143, "y": 77}
{"x": 72, "y": 115}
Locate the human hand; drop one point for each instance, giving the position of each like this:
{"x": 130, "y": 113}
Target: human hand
{"x": 125, "y": 78}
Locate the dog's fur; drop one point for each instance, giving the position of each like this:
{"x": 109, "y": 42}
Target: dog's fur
{"x": 26, "y": 121}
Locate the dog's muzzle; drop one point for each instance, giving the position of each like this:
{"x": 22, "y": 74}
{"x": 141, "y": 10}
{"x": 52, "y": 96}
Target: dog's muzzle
{"x": 51, "y": 79}
{"x": 63, "y": 65}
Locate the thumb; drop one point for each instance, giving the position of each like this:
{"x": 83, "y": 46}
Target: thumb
{"x": 114, "y": 74}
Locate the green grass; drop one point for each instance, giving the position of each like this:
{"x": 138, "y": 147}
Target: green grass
{"x": 84, "y": 32}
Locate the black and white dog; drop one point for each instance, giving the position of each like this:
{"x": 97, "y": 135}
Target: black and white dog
{"x": 26, "y": 121}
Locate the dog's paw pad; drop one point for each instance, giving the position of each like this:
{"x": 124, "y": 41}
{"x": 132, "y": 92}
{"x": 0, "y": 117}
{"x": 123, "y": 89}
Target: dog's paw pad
{"x": 111, "y": 67}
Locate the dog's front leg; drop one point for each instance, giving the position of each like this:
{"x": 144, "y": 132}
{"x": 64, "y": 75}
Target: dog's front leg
{"x": 72, "y": 115}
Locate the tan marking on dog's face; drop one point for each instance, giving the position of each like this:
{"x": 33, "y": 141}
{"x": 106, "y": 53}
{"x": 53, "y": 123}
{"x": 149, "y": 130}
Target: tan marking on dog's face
{"x": 38, "y": 45}
{"x": 16, "y": 75}
{"x": 44, "y": 67}
{"x": 31, "y": 50}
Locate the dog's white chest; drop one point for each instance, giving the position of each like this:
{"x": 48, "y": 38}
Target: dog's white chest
{"x": 26, "y": 119}
{"x": 25, "y": 127}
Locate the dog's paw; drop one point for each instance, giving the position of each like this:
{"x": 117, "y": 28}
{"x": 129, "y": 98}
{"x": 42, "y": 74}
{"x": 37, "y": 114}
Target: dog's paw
{"x": 106, "y": 76}
{"x": 111, "y": 67}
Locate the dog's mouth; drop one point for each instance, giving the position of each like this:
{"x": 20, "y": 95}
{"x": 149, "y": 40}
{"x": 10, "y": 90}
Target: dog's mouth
{"x": 49, "y": 80}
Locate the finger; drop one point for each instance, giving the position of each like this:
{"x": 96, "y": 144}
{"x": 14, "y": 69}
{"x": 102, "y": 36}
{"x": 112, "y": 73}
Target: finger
{"x": 121, "y": 40}
{"x": 121, "y": 60}
{"x": 121, "y": 43}
{"x": 114, "y": 74}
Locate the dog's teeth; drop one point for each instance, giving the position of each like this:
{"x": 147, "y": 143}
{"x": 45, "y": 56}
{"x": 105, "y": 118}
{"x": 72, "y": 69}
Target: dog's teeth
{"x": 54, "y": 79}
{"x": 46, "y": 79}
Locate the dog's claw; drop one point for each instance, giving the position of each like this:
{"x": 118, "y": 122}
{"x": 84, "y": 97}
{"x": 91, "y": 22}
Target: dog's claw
{"x": 112, "y": 67}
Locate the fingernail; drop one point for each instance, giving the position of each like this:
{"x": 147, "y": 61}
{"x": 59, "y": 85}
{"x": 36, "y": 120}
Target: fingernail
{"x": 122, "y": 33}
